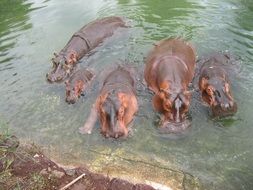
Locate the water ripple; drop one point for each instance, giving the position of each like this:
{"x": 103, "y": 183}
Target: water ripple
{"x": 31, "y": 30}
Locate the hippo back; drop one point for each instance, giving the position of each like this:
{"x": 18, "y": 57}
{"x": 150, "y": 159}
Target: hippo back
{"x": 96, "y": 31}
{"x": 81, "y": 75}
{"x": 177, "y": 48}
{"x": 119, "y": 79}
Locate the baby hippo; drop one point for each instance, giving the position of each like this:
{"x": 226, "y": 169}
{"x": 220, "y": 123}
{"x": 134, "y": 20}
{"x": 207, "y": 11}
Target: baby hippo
{"x": 115, "y": 106}
{"x": 77, "y": 84}
{"x": 169, "y": 69}
{"x": 215, "y": 86}
{"x": 82, "y": 42}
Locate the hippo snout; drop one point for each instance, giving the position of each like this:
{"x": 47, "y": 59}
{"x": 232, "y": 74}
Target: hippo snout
{"x": 115, "y": 135}
{"x": 116, "y": 131}
{"x": 50, "y": 77}
{"x": 223, "y": 110}
{"x": 71, "y": 100}
{"x": 174, "y": 127}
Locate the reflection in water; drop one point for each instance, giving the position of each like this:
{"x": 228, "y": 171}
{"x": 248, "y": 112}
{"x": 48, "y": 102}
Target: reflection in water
{"x": 243, "y": 28}
{"x": 13, "y": 20}
{"x": 219, "y": 153}
{"x": 160, "y": 19}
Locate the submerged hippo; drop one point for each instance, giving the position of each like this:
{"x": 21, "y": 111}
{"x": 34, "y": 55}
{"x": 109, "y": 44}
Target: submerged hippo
{"x": 115, "y": 106}
{"x": 76, "y": 84}
{"x": 83, "y": 41}
{"x": 215, "y": 86}
{"x": 169, "y": 69}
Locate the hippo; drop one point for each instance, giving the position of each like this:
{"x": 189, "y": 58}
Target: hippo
{"x": 81, "y": 43}
{"x": 168, "y": 72}
{"x": 77, "y": 84}
{"x": 116, "y": 105}
{"x": 214, "y": 85}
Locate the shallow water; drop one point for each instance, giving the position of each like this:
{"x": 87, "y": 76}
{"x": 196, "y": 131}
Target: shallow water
{"x": 218, "y": 153}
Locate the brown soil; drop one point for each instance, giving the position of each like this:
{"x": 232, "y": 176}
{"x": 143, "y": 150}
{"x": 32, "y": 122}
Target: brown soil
{"x": 26, "y": 167}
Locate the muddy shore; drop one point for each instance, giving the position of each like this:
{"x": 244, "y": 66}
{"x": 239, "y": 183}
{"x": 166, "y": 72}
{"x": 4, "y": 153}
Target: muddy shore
{"x": 26, "y": 167}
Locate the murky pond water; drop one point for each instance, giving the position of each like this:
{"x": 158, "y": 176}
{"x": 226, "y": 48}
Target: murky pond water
{"x": 219, "y": 153}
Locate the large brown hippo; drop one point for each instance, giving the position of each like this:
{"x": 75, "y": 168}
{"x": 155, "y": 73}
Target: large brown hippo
{"x": 169, "y": 69}
{"x": 115, "y": 106}
{"x": 77, "y": 84}
{"x": 82, "y": 42}
{"x": 215, "y": 86}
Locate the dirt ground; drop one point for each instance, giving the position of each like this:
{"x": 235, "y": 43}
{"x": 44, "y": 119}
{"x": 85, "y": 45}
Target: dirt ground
{"x": 26, "y": 167}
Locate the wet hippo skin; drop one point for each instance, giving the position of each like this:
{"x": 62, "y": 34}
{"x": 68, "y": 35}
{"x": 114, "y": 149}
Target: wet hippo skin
{"x": 77, "y": 84}
{"x": 215, "y": 86}
{"x": 169, "y": 69}
{"x": 82, "y": 42}
{"x": 116, "y": 105}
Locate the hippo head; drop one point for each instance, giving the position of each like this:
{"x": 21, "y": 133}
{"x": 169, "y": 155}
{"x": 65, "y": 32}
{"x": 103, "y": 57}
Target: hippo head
{"x": 62, "y": 67}
{"x": 74, "y": 91}
{"x": 216, "y": 92}
{"x": 112, "y": 110}
{"x": 175, "y": 105}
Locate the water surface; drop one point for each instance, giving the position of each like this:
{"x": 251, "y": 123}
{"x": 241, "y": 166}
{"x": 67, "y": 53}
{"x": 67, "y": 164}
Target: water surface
{"x": 218, "y": 153}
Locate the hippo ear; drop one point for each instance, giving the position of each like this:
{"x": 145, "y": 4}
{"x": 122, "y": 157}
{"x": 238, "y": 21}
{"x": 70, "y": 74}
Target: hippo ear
{"x": 102, "y": 98}
{"x": 161, "y": 95}
{"x": 73, "y": 58}
{"x": 164, "y": 86}
{"x": 66, "y": 83}
{"x": 203, "y": 83}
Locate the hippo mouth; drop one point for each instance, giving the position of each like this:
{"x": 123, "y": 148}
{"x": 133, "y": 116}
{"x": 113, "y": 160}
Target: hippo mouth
{"x": 70, "y": 101}
{"x": 174, "y": 127}
{"x": 71, "y": 97}
{"x": 219, "y": 111}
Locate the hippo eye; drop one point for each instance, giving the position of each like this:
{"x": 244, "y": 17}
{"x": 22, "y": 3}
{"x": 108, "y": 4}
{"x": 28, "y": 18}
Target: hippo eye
{"x": 167, "y": 105}
{"x": 68, "y": 93}
{"x": 209, "y": 90}
{"x": 217, "y": 93}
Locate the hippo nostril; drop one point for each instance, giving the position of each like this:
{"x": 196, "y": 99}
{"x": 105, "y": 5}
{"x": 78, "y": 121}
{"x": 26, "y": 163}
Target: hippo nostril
{"x": 48, "y": 76}
{"x": 226, "y": 106}
{"x": 70, "y": 101}
{"x": 218, "y": 93}
{"x": 49, "y": 79}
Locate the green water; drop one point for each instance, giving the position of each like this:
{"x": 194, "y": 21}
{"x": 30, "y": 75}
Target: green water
{"x": 218, "y": 153}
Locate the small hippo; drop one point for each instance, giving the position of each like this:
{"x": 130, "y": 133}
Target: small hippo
{"x": 76, "y": 84}
{"x": 215, "y": 86}
{"x": 82, "y": 42}
{"x": 115, "y": 106}
{"x": 169, "y": 69}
